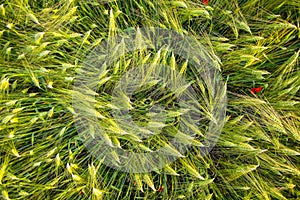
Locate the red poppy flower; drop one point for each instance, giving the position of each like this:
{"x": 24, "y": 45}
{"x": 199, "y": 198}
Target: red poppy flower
{"x": 80, "y": 192}
{"x": 205, "y": 2}
{"x": 134, "y": 183}
{"x": 161, "y": 188}
{"x": 256, "y": 90}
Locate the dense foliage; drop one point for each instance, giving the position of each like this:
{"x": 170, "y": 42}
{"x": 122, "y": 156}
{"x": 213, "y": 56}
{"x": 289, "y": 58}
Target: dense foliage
{"x": 255, "y": 45}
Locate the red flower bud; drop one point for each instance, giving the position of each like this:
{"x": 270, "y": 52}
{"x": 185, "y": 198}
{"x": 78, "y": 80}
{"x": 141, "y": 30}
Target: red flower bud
{"x": 256, "y": 90}
{"x": 161, "y": 188}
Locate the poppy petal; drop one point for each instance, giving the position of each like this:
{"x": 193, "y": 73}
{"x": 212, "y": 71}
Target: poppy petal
{"x": 205, "y": 2}
{"x": 256, "y": 90}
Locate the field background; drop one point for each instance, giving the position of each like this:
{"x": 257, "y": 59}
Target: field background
{"x": 255, "y": 44}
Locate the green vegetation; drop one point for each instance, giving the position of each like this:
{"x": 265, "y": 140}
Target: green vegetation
{"x": 254, "y": 44}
